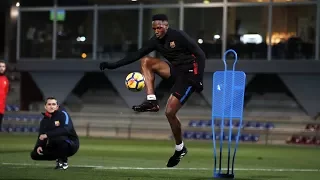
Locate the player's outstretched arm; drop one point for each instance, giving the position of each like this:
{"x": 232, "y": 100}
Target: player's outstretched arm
{"x": 130, "y": 58}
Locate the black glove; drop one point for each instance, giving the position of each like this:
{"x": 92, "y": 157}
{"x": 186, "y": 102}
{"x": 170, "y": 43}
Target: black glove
{"x": 106, "y": 65}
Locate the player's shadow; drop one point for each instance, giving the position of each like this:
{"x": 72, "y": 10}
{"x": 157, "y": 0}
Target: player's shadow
{"x": 267, "y": 177}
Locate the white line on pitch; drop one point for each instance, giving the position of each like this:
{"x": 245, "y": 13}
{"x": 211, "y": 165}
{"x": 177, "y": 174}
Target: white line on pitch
{"x": 206, "y": 169}
{"x": 142, "y": 168}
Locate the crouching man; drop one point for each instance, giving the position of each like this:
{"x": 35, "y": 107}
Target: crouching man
{"x": 57, "y": 139}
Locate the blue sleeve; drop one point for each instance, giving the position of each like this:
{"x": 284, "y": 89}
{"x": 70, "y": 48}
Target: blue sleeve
{"x": 64, "y": 128}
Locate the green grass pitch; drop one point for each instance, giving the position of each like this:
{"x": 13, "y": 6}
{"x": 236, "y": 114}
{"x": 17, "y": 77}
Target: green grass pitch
{"x": 109, "y": 159}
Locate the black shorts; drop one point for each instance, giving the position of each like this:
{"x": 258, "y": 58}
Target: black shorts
{"x": 187, "y": 80}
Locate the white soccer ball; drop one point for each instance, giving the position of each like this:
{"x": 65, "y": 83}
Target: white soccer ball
{"x": 135, "y": 81}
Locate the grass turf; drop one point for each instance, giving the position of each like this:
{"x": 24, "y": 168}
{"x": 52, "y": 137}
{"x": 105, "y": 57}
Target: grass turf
{"x": 100, "y": 158}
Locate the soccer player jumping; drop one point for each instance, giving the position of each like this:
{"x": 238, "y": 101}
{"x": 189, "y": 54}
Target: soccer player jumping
{"x": 185, "y": 64}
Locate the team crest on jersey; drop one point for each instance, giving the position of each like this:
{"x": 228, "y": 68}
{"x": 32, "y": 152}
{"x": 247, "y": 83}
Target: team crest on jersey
{"x": 57, "y": 123}
{"x": 172, "y": 44}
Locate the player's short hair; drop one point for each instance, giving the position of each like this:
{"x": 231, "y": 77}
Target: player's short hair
{"x": 2, "y": 61}
{"x": 159, "y": 17}
{"x": 50, "y": 98}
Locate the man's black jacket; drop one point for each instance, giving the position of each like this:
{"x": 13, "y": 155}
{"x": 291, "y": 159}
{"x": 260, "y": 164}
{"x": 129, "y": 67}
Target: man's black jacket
{"x": 57, "y": 126}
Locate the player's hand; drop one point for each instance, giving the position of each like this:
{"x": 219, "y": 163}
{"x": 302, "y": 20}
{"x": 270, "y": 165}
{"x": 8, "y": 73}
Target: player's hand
{"x": 106, "y": 65}
{"x": 40, "y": 150}
{"x": 43, "y": 136}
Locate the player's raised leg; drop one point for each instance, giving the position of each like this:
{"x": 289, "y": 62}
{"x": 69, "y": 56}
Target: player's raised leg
{"x": 175, "y": 102}
{"x": 149, "y": 67}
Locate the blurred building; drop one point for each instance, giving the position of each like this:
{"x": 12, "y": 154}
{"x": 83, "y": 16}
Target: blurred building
{"x": 63, "y": 41}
